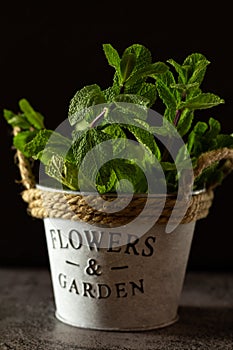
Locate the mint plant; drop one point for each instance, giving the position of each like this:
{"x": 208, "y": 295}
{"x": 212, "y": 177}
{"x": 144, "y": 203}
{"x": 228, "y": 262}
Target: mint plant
{"x": 138, "y": 85}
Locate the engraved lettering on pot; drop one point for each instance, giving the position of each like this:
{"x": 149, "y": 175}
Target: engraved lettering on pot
{"x": 101, "y": 290}
{"x": 73, "y": 239}
{"x": 93, "y": 269}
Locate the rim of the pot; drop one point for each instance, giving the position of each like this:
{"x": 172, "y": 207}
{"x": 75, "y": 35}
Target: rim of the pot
{"x": 122, "y": 195}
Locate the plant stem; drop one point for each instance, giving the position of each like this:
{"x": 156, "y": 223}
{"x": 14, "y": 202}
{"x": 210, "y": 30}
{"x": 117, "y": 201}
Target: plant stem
{"x": 98, "y": 118}
{"x": 177, "y": 117}
{"x": 175, "y": 122}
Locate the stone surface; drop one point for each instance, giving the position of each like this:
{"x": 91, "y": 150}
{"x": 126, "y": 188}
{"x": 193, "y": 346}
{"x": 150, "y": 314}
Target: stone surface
{"x": 27, "y": 320}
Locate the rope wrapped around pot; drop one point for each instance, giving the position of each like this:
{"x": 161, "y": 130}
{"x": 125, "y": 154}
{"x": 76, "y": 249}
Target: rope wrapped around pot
{"x": 77, "y": 207}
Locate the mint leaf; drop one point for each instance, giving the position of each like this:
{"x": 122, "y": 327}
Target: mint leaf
{"x": 224, "y": 141}
{"x": 146, "y": 139}
{"x": 180, "y": 70}
{"x": 86, "y": 142}
{"x": 22, "y": 139}
{"x": 126, "y": 66}
{"x": 116, "y": 132}
{"x": 16, "y": 120}
{"x": 63, "y": 171}
{"x": 133, "y": 99}
{"x": 151, "y": 70}
{"x": 149, "y": 92}
{"x": 141, "y": 53}
{"x": 185, "y": 122}
{"x": 195, "y": 137}
{"x": 196, "y": 64}
{"x": 86, "y": 97}
{"x": 46, "y": 143}
{"x": 142, "y": 59}
{"x": 117, "y": 170}
{"x": 33, "y": 117}
{"x": 112, "y": 57}
{"x": 201, "y": 101}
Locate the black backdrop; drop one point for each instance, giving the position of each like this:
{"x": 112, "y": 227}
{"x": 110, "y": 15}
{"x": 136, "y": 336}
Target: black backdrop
{"x": 50, "y": 51}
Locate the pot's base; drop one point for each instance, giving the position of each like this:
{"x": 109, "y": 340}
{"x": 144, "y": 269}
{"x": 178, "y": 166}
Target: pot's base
{"x": 125, "y": 329}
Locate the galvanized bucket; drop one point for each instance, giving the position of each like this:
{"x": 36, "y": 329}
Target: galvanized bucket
{"x": 102, "y": 284}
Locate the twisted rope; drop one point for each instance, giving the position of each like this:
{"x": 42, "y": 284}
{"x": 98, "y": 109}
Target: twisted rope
{"x": 42, "y": 204}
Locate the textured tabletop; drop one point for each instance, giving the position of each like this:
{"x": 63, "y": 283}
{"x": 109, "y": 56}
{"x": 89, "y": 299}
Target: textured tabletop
{"x": 27, "y": 318}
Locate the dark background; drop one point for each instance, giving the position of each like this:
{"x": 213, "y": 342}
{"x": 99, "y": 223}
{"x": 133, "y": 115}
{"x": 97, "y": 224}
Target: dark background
{"x": 50, "y": 51}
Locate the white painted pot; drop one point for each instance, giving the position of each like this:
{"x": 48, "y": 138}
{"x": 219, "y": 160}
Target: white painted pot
{"x": 129, "y": 287}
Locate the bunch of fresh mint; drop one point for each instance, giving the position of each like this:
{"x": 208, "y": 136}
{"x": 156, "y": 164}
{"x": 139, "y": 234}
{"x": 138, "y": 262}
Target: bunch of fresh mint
{"x": 121, "y": 112}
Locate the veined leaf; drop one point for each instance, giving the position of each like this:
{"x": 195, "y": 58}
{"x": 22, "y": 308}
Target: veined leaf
{"x": 63, "y": 171}
{"x": 169, "y": 114}
{"x": 146, "y": 139}
{"x": 22, "y": 139}
{"x": 141, "y": 53}
{"x": 86, "y": 142}
{"x": 151, "y": 70}
{"x": 47, "y": 142}
{"x": 180, "y": 70}
{"x": 185, "y": 122}
{"x": 184, "y": 88}
{"x": 148, "y": 91}
{"x": 88, "y": 96}
{"x": 112, "y": 57}
{"x": 142, "y": 59}
{"x": 196, "y": 63}
{"x": 195, "y": 135}
{"x": 16, "y": 120}
{"x": 223, "y": 140}
{"x": 126, "y": 66}
{"x": 117, "y": 170}
{"x": 199, "y": 72}
{"x": 116, "y": 133}
{"x": 133, "y": 99}
{"x": 33, "y": 117}
{"x": 166, "y": 95}
{"x": 201, "y": 101}
{"x": 214, "y": 129}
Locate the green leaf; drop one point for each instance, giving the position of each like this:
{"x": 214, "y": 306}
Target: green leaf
{"x": 132, "y": 98}
{"x": 127, "y": 112}
{"x": 115, "y": 131}
{"x": 166, "y": 95}
{"x": 224, "y": 141}
{"x": 46, "y": 143}
{"x": 184, "y": 88}
{"x": 16, "y": 120}
{"x": 142, "y": 59}
{"x": 33, "y": 117}
{"x": 126, "y": 66}
{"x": 117, "y": 170}
{"x": 141, "y": 53}
{"x": 195, "y": 136}
{"x": 86, "y": 142}
{"x": 201, "y": 101}
{"x": 179, "y": 69}
{"x": 151, "y": 70}
{"x": 63, "y": 171}
{"x": 22, "y": 139}
{"x": 149, "y": 92}
{"x": 146, "y": 139}
{"x": 185, "y": 122}
{"x": 196, "y": 64}
{"x": 169, "y": 114}
{"x": 214, "y": 129}
{"x": 88, "y": 96}
{"x": 112, "y": 57}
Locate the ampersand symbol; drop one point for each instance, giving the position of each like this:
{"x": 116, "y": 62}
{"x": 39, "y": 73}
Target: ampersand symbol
{"x": 93, "y": 268}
